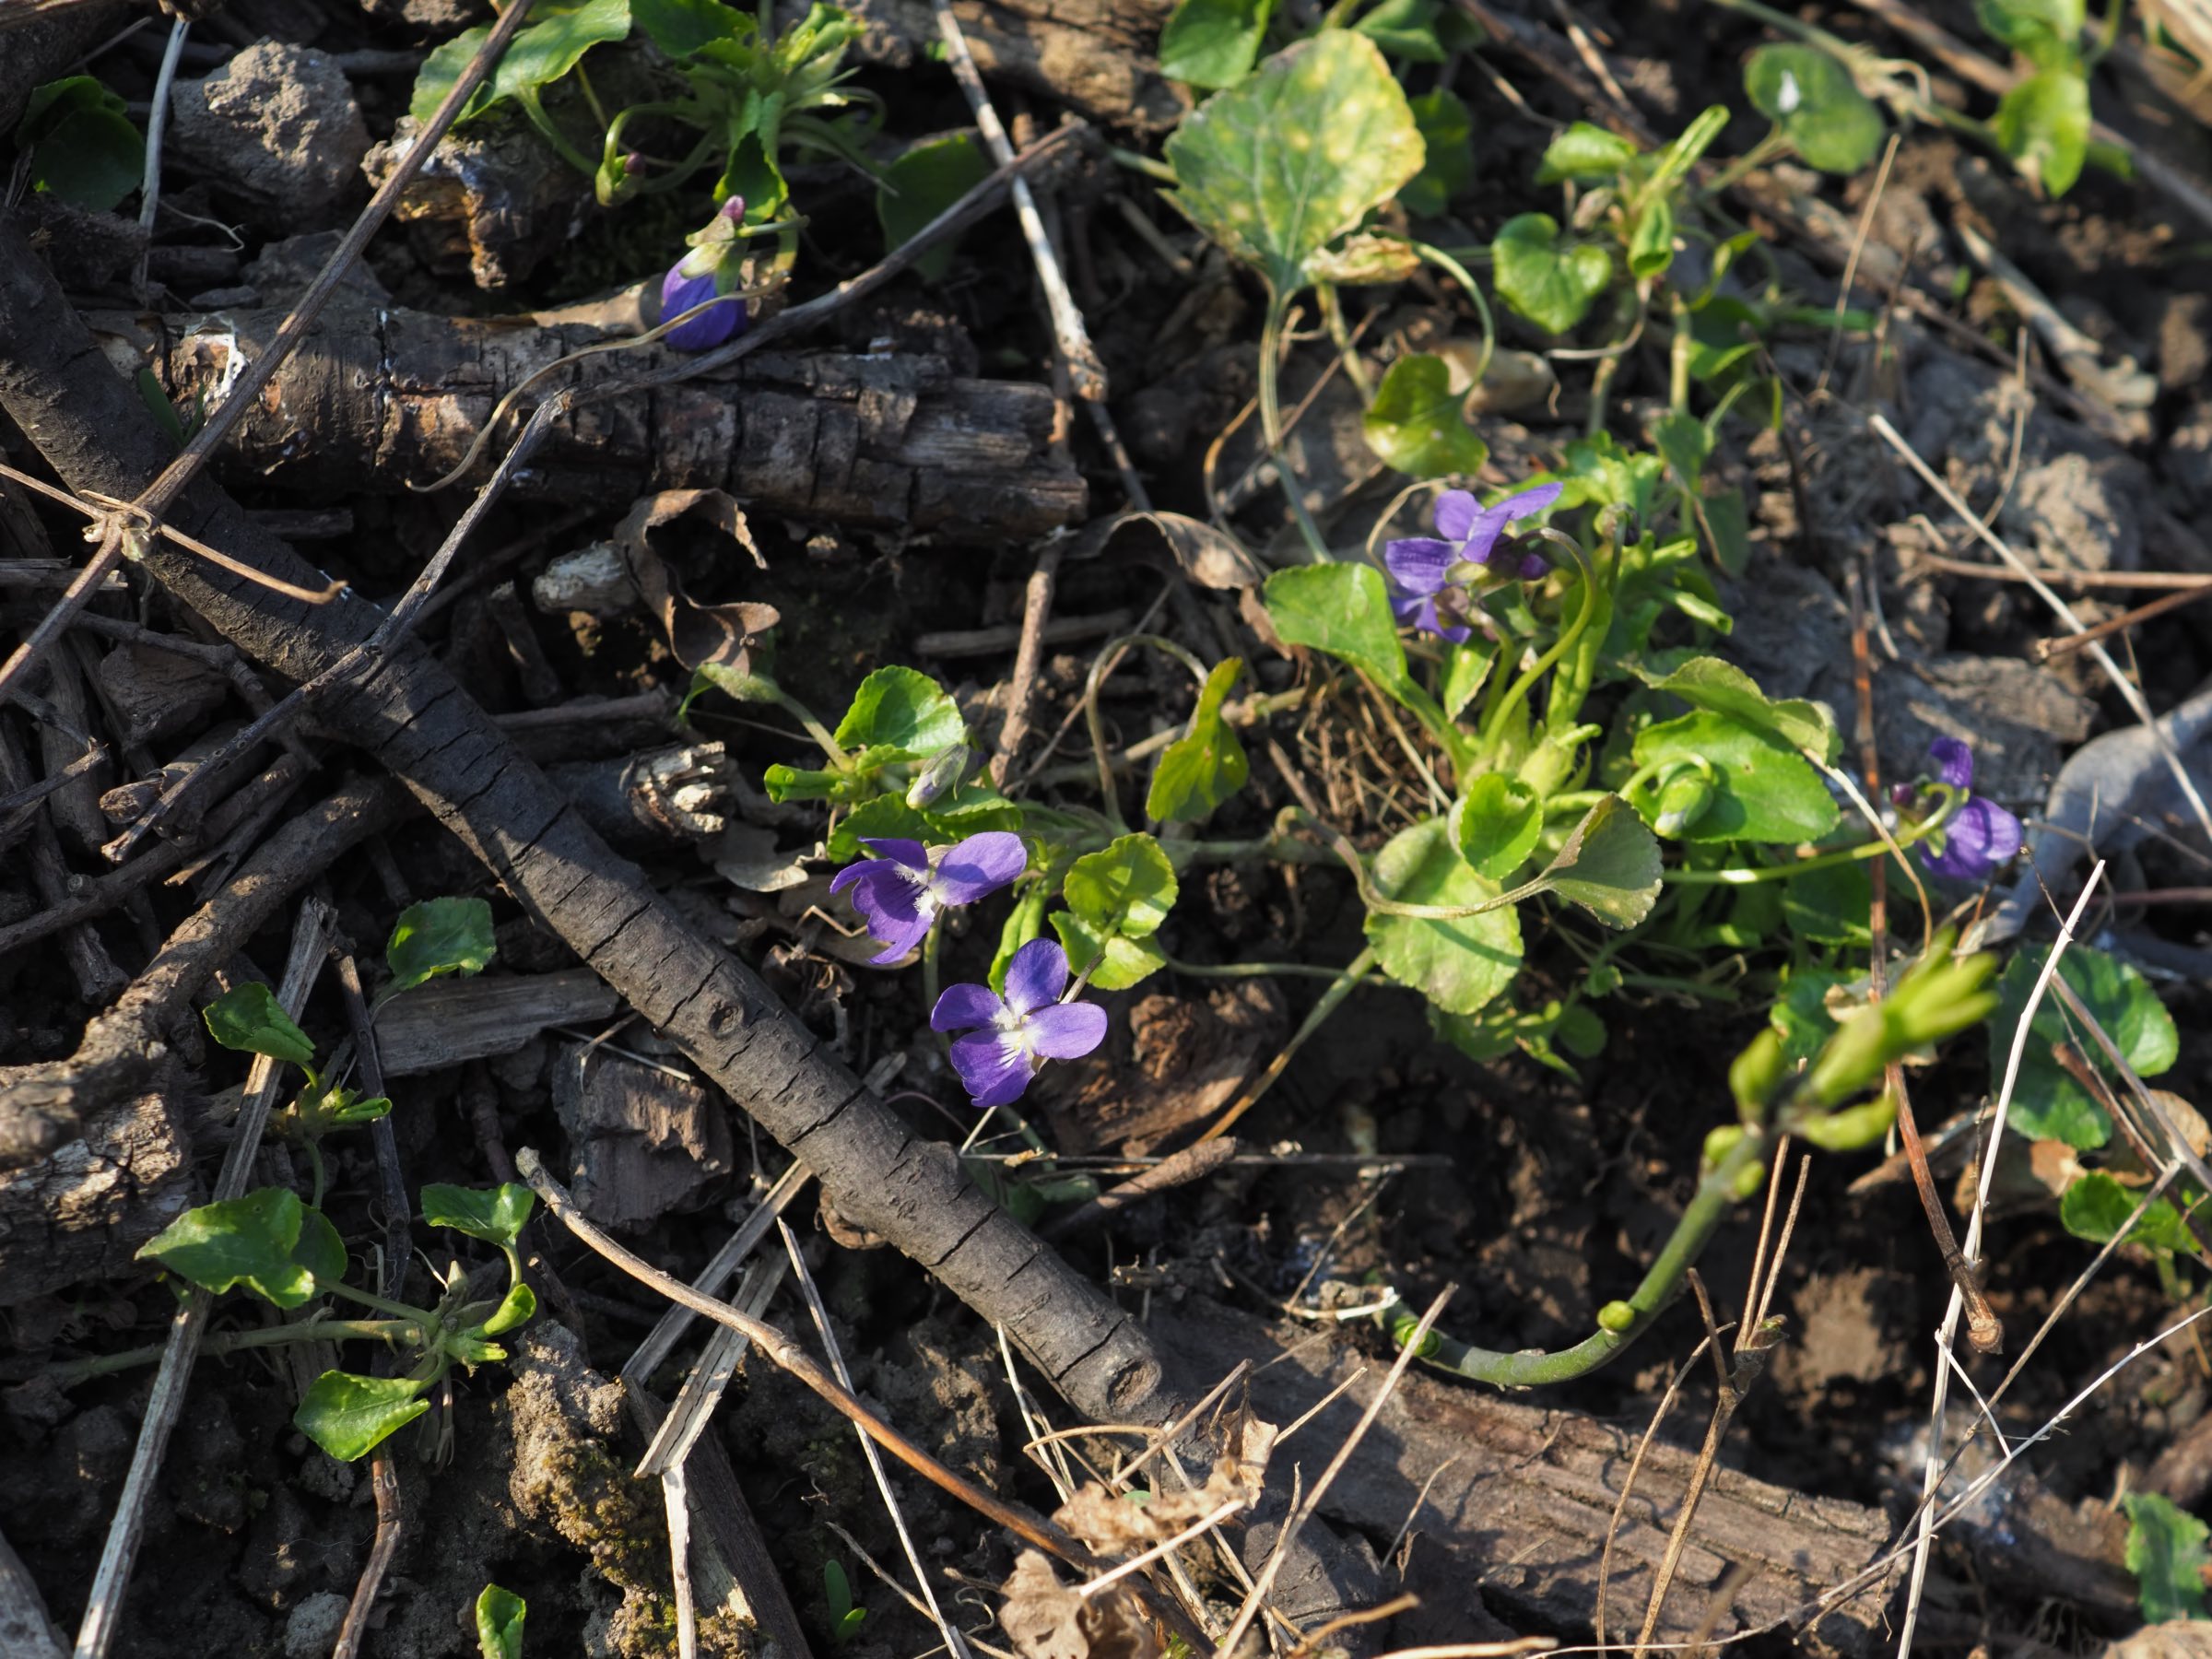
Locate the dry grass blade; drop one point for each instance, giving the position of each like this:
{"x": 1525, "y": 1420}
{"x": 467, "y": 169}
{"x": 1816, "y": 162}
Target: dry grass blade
{"x": 1933, "y": 1477}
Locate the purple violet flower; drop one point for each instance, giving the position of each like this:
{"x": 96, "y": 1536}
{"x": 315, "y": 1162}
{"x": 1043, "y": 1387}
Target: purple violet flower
{"x": 902, "y": 888}
{"x": 1008, "y": 1037}
{"x": 1431, "y": 575}
{"x": 1980, "y": 835}
{"x": 698, "y": 276}
{"x": 679, "y": 293}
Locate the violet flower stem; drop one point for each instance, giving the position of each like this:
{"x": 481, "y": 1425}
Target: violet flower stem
{"x": 1716, "y": 1195}
{"x": 227, "y": 1342}
{"x": 1908, "y": 835}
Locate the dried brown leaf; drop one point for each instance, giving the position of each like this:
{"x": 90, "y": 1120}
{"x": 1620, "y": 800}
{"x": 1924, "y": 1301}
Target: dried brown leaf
{"x": 1047, "y": 1619}
{"x": 720, "y": 634}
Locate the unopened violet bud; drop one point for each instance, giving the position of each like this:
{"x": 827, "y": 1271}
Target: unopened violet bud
{"x": 681, "y": 291}
{"x": 634, "y": 163}
{"x": 940, "y": 777}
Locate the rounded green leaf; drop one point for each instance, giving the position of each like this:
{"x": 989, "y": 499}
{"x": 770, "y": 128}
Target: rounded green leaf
{"x": 1342, "y": 609}
{"x": 1458, "y": 965}
{"x": 1585, "y": 153}
{"x": 1126, "y": 888}
{"x": 2047, "y": 1103}
{"x": 2043, "y": 124}
{"x": 1609, "y": 865}
{"x": 1415, "y": 423}
{"x": 495, "y": 1215}
{"x": 1496, "y": 824}
{"x": 1708, "y": 683}
{"x": 1207, "y": 765}
{"x": 436, "y": 936}
{"x": 247, "y": 1018}
{"x": 319, "y": 1248}
{"x": 2166, "y": 1551}
{"x": 83, "y": 149}
{"x": 924, "y": 180}
{"x": 1763, "y": 789}
{"x": 246, "y": 1240}
{"x": 1277, "y": 166}
{"x": 902, "y": 712}
{"x": 349, "y": 1416}
{"x": 1814, "y": 100}
{"x": 2097, "y": 1207}
{"x": 1114, "y": 961}
{"x": 1447, "y": 132}
{"x": 499, "y": 1616}
{"x": 1213, "y": 43}
{"x": 1550, "y": 283}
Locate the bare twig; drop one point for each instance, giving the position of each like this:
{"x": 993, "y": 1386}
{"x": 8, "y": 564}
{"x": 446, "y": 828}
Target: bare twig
{"x": 1193, "y": 1163}
{"x": 104, "y": 1607}
{"x": 157, "y": 130}
{"x": 1021, "y": 691}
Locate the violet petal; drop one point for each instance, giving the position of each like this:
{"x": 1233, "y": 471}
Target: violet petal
{"x": 1036, "y": 976}
{"x": 1455, "y": 510}
{"x": 979, "y": 866}
{"x": 1066, "y": 1030}
{"x": 1417, "y": 564}
{"x": 911, "y": 853}
{"x": 993, "y": 1066}
{"x": 962, "y": 1008}
{"x": 709, "y": 328}
{"x": 1953, "y": 762}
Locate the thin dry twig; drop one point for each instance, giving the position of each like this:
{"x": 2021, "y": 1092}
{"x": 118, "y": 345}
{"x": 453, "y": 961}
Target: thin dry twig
{"x": 786, "y": 1354}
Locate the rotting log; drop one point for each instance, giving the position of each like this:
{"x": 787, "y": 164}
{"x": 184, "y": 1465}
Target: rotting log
{"x": 381, "y": 398}
{"x": 1512, "y": 1502}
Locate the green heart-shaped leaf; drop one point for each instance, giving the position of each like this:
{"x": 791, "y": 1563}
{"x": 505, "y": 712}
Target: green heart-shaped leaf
{"x": 2047, "y": 1103}
{"x": 1708, "y": 683}
{"x": 246, "y": 1240}
{"x": 495, "y": 1215}
{"x": 1205, "y": 766}
{"x": 2166, "y": 1551}
{"x": 1277, "y": 166}
{"x": 2043, "y": 124}
{"x": 1213, "y": 43}
{"x": 1461, "y": 964}
{"x": 439, "y": 936}
{"x": 1763, "y": 790}
{"x": 248, "y": 1017}
{"x": 904, "y": 713}
{"x": 924, "y": 180}
{"x": 1126, "y": 888}
{"x": 1550, "y": 283}
{"x": 1496, "y": 823}
{"x": 1819, "y": 108}
{"x": 1415, "y": 423}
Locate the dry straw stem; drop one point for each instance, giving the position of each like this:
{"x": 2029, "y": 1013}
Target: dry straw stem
{"x": 1940, "y": 1391}
{"x": 2121, "y": 683}
{"x": 103, "y": 1608}
{"x": 820, "y": 1315}
{"x": 127, "y": 525}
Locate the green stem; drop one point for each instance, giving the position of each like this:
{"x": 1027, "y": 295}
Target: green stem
{"x": 815, "y": 728}
{"x": 1150, "y": 166}
{"x": 1347, "y": 979}
{"x": 1271, "y": 422}
{"x": 929, "y": 962}
{"x": 1746, "y": 876}
{"x": 535, "y": 109}
{"x": 225, "y": 1342}
{"x": 1437, "y": 256}
{"x": 1332, "y": 315}
{"x": 384, "y": 1304}
{"x": 1716, "y": 1195}
{"x": 1494, "y": 722}
{"x": 1251, "y": 969}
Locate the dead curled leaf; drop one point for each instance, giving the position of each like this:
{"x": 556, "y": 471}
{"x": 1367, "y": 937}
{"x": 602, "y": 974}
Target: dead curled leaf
{"x": 723, "y": 635}
{"x": 1047, "y": 1619}
{"x": 1117, "y": 1526}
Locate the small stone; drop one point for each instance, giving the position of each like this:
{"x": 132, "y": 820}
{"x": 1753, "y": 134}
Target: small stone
{"x": 313, "y": 1629}
{"x": 278, "y": 126}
